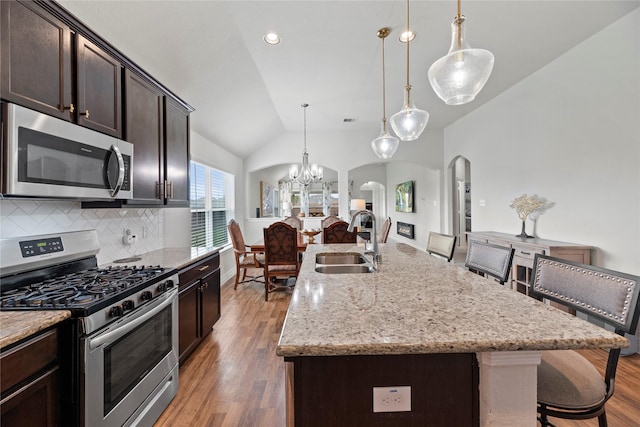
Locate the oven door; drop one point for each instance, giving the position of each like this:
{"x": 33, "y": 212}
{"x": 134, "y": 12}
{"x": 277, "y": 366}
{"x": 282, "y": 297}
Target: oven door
{"x": 131, "y": 366}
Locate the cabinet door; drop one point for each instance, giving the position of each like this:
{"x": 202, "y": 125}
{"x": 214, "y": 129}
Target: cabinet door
{"x": 99, "y": 80}
{"x": 37, "y": 404}
{"x": 188, "y": 320}
{"x": 35, "y": 62}
{"x": 210, "y": 293}
{"x": 144, "y": 107}
{"x": 176, "y": 154}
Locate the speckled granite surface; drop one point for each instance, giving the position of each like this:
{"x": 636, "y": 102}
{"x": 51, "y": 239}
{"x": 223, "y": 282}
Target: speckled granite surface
{"x": 16, "y": 325}
{"x": 178, "y": 257}
{"x": 417, "y": 303}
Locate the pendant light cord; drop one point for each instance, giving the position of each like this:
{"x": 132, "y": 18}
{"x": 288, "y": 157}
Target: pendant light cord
{"x": 408, "y": 87}
{"x": 459, "y": 21}
{"x": 305, "y": 126}
{"x": 384, "y": 99}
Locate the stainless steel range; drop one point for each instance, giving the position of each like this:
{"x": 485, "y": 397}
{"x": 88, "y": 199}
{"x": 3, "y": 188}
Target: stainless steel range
{"x": 122, "y": 341}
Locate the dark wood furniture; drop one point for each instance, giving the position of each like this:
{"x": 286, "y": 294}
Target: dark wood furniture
{"x": 30, "y": 382}
{"x": 281, "y": 258}
{"x": 569, "y": 386}
{"x": 245, "y": 257}
{"x": 176, "y": 154}
{"x": 525, "y": 251}
{"x": 337, "y": 390}
{"x": 337, "y": 233}
{"x": 39, "y": 70}
{"x": 199, "y": 303}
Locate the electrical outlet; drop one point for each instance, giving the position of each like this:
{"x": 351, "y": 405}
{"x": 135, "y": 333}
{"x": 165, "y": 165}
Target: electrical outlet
{"x": 129, "y": 238}
{"x": 392, "y": 399}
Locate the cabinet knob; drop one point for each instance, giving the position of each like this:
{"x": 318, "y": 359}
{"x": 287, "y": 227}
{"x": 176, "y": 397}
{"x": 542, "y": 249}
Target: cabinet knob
{"x": 86, "y": 113}
{"x": 71, "y": 108}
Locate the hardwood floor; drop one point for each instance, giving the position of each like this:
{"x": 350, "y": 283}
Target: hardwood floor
{"x": 235, "y": 378}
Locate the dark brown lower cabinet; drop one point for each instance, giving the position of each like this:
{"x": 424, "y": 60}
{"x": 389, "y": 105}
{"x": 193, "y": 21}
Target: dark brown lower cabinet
{"x": 338, "y": 390}
{"x": 199, "y": 303}
{"x": 30, "y": 382}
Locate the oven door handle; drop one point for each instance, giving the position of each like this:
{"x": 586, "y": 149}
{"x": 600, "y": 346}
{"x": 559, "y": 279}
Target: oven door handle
{"x": 115, "y": 334}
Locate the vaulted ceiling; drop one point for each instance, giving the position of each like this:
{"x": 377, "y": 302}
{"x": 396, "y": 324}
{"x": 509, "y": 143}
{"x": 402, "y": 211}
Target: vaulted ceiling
{"x": 245, "y": 92}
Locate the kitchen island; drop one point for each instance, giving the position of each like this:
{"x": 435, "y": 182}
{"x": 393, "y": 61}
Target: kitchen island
{"x": 467, "y": 346}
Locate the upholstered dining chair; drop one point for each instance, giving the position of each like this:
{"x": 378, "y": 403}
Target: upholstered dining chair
{"x": 569, "y": 386}
{"x": 280, "y": 255}
{"x": 384, "y": 230}
{"x": 245, "y": 259}
{"x": 442, "y": 245}
{"x": 295, "y": 222}
{"x": 327, "y": 221}
{"x": 337, "y": 233}
{"x": 488, "y": 259}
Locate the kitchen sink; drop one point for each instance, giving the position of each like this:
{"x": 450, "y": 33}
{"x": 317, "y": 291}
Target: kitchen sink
{"x": 344, "y": 268}
{"x": 339, "y": 258}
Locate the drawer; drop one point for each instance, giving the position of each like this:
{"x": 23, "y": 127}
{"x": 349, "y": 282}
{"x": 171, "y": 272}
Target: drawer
{"x": 199, "y": 269}
{"x": 527, "y": 252}
{"x": 499, "y": 242}
{"x": 28, "y": 358}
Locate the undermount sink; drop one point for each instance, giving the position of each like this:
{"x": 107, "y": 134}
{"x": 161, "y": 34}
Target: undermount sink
{"x": 344, "y": 268}
{"x": 339, "y": 258}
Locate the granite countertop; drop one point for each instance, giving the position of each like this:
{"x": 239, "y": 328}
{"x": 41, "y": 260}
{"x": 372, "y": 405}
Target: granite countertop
{"x": 17, "y": 325}
{"x": 416, "y": 304}
{"x": 177, "y": 257}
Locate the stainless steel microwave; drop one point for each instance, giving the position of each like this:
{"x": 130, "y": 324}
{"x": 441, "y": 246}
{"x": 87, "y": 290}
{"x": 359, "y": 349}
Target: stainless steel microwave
{"x": 46, "y": 157}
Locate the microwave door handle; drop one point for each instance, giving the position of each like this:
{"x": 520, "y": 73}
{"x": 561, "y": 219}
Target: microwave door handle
{"x": 114, "y": 191}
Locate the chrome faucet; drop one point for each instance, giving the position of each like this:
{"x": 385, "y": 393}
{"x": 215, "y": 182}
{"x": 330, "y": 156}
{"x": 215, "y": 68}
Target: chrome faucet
{"x": 374, "y": 240}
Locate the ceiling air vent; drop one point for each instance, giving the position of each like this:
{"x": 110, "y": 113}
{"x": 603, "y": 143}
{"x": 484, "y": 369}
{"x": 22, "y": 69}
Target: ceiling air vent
{"x": 349, "y": 120}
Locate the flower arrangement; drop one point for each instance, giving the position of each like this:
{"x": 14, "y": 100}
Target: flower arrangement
{"x": 524, "y": 206}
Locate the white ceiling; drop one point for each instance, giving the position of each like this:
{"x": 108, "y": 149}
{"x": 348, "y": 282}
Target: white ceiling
{"x": 246, "y": 93}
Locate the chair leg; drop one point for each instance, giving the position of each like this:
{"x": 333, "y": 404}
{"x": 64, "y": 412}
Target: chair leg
{"x": 544, "y": 421}
{"x": 266, "y": 288}
{"x": 235, "y": 286}
{"x": 602, "y": 419}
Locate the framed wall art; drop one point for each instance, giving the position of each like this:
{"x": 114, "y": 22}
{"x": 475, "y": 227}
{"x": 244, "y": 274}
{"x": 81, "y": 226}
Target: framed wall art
{"x": 404, "y": 197}
{"x": 266, "y": 199}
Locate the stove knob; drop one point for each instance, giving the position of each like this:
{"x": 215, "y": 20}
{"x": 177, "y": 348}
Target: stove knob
{"x": 162, "y": 287}
{"x": 128, "y": 304}
{"x": 170, "y": 284}
{"x": 146, "y": 296}
{"x": 115, "y": 311}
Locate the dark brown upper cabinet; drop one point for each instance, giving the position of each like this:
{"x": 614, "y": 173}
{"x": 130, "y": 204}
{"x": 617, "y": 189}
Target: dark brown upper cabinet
{"x": 145, "y": 130}
{"x": 176, "y": 154}
{"x": 38, "y": 70}
{"x": 99, "y": 83}
{"x": 35, "y": 64}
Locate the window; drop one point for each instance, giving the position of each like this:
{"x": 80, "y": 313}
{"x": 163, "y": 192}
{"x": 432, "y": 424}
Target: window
{"x": 212, "y": 205}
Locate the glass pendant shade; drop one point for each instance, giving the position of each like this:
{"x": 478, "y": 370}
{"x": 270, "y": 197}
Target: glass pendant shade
{"x": 409, "y": 122}
{"x": 460, "y": 75}
{"x": 385, "y": 145}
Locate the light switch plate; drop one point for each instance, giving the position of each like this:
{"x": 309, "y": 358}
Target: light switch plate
{"x": 392, "y": 399}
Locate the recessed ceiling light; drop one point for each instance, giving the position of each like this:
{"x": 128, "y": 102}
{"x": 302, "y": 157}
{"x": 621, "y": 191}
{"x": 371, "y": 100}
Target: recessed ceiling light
{"x": 407, "y": 36}
{"x": 272, "y": 38}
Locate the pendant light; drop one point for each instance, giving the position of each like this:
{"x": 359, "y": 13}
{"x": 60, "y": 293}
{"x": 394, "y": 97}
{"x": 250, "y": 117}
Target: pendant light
{"x": 384, "y": 145}
{"x": 305, "y": 174}
{"x": 460, "y": 75}
{"x": 409, "y": 122}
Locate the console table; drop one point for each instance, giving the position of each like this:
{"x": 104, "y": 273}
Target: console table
{"x": 526, "y": 250}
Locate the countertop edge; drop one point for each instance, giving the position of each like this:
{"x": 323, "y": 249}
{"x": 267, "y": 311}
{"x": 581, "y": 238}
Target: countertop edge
{"x": 18, "y": 325}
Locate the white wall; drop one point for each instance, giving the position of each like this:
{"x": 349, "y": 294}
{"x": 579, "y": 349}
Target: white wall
{"x": 568, "y": 133}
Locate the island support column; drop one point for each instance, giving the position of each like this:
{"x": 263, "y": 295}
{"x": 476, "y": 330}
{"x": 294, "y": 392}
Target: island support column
{"x": 508, "y": 388}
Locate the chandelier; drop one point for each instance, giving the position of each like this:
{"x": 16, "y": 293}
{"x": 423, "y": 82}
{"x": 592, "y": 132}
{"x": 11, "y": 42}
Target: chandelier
{"x": 410, "y": 121}
{"x": 458, "y": 76}
{"x": 305, "y": 174}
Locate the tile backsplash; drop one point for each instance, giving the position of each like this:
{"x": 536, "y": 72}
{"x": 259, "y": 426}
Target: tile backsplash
{"x": 34, "y": 217}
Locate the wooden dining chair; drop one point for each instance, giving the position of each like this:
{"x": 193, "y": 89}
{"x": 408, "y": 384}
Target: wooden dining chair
{"x": 280, "y": 255}
{"x": 442, "y": 245}
{"x": 488, "y": 259}
{"x": 245, "y": 258}
{"x": 337, "y": 233}
{"x": 384, "y": 230}
{"x": 569, "y": 386}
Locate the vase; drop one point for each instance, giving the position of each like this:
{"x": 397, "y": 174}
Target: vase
{"x": 523, "y": 234}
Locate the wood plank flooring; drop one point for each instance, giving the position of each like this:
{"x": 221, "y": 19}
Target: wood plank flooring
{"x": 234, "y": 378}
